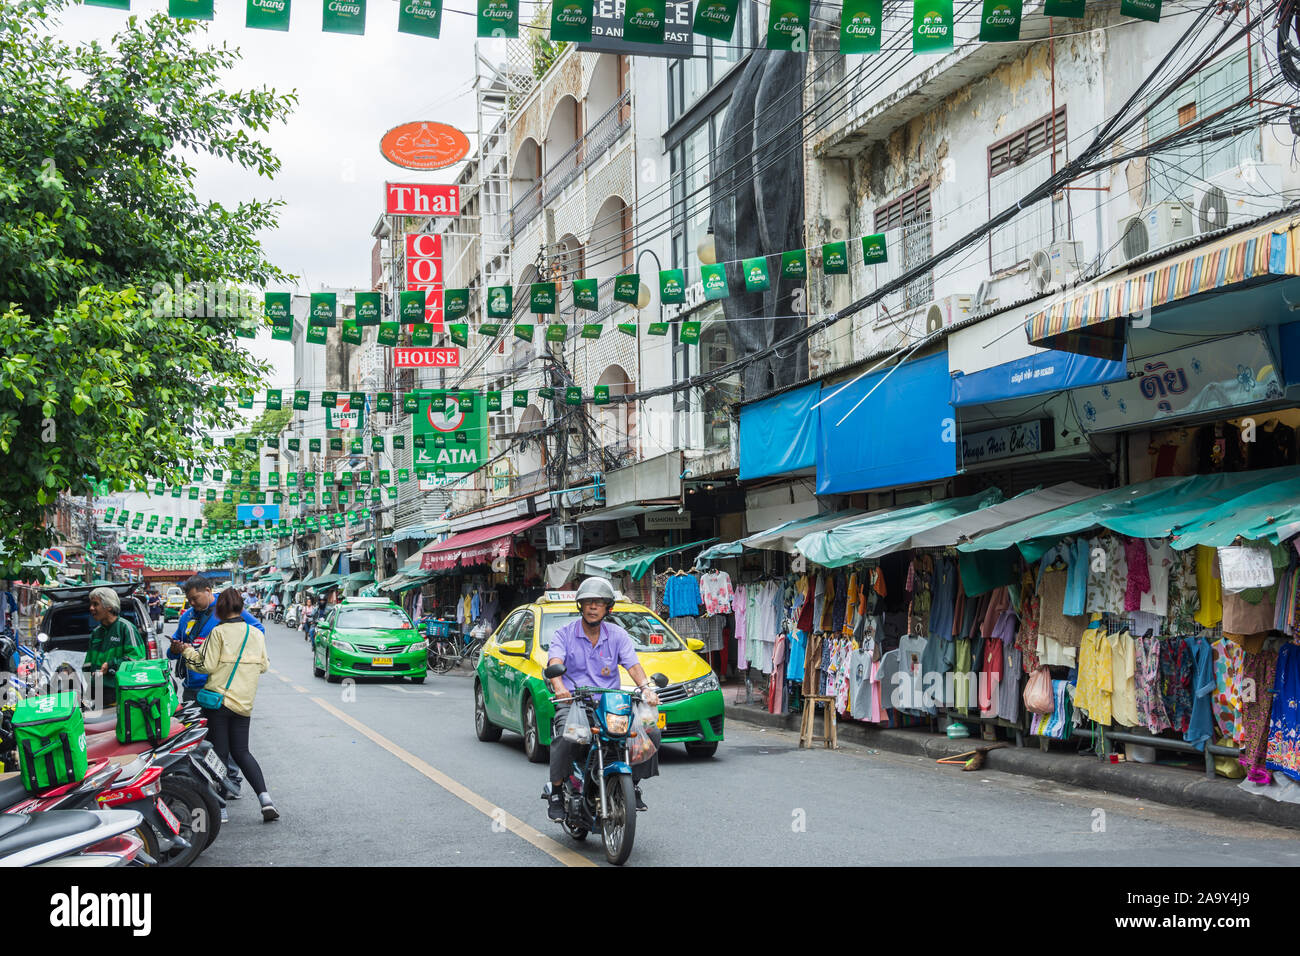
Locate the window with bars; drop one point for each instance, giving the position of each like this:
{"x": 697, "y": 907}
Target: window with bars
{"x": 906, "y": 222}
{"x": 1018, "y": 164}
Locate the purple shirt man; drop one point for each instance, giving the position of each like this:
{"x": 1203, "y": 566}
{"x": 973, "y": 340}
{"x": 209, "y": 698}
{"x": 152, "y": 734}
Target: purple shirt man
{"x": 592, "y": 666}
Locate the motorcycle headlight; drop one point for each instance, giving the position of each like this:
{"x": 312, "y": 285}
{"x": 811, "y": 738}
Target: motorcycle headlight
{"x": 617, "y": 723}
{"x": 342, "y": 645}
{"x": 705, "y": 684}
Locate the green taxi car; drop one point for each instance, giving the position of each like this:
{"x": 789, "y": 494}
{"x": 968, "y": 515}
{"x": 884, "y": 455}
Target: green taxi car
{"x": 368, "y": 637}
{"x": 510, "y": 694}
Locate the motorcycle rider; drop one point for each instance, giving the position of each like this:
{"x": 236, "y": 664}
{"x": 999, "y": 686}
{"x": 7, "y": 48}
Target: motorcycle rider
{"x": 591, "y": 650}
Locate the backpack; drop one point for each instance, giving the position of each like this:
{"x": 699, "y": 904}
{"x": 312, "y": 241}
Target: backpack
{"x": 50, "y": 737}
{"x": 146, "y": 701}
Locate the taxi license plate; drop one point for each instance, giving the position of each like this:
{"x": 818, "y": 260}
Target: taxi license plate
{"x": 168, "y": 817}
{"x": 663, "y": 720}
{"x": 214, "y": 763}
{"x": 381, "y": 662}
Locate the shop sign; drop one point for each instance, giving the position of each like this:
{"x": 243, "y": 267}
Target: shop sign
{"x": 421, "y": 199}
{"x": 667, "y": 521}
{"x": 1025, "y": 438}
{"x": 422, "y": 145}
{"x": 426, "y": 358}
{"x": 607, "y": 30}
{"x": 343, "y": 414}
{"x": 451, "y": 423}
{"x": 1215, "y": 376}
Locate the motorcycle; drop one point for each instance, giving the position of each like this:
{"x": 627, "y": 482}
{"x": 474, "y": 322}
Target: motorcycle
{"x": 598, "y": 793}
{"x": 71, "y": 838}
{"x": 291, "y": 615}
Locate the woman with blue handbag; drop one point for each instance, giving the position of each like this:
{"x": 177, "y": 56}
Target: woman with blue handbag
{"x": 234, "y": 657}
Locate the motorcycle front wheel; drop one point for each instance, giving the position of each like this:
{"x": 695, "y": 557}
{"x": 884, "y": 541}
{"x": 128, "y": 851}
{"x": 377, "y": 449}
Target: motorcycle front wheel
{"x": 618, "y": 826}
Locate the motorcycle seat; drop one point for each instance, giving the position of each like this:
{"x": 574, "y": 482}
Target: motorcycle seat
{"x": 105, "y": 744}
{"x": 12, "y": 791}
{"x": 33, "y": 829}
{"x": 108, "y": 722}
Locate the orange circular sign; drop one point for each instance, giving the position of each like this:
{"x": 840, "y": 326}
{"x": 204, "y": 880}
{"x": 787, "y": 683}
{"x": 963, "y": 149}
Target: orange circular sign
{"x": 424, "y": 145}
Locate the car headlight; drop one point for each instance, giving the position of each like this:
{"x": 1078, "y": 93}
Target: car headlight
{"x": 342, "y": 645}
{"x": 704, "y": 684}
{"x": 617, "y": 723}
{"x": 421, "y": 646}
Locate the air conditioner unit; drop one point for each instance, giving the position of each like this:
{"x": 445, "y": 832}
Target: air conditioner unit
{"x": 561, "y": 537}
{"x": 984, "y": 296}
{"x": 1153, "y": 228}
{"x": 1238, "y": 195}
{"x": 1055, "y": 266}
{"x": 944, "y": 312}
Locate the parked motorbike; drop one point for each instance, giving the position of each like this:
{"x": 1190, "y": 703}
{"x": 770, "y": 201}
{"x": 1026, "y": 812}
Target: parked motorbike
{"x": 292, "y": 615}
{"x": 598, "y": 792}
{"x": 71, "y": 838}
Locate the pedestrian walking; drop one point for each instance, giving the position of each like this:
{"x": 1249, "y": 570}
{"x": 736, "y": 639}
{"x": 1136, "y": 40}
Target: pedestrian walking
{"x": 234, "y": 657}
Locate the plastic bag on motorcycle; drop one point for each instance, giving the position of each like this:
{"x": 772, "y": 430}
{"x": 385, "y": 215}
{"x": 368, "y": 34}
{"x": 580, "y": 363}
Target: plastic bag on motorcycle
{"x": 640, "y": 745}
{"x": 576, "y": 727}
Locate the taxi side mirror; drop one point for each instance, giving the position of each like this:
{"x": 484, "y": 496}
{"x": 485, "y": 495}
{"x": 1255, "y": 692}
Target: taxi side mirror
{"x": 694, "y": 644}
{"x": 514, "y": 649}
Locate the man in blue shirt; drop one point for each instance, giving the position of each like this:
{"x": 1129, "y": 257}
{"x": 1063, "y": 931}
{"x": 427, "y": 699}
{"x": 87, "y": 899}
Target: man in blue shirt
{"x": 194, "y": 625}
{"x": 592, "y": 650}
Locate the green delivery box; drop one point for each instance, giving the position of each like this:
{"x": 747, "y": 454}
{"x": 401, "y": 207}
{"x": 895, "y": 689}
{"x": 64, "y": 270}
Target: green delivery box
{"x": 50, "y": 737}
{"x": 145, "y": 701}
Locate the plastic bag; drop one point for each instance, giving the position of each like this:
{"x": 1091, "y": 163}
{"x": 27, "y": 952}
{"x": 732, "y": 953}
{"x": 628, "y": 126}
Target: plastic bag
{"x": 1038, "y": 692}
{"x": 640, "y": 745}
{"x": 576, "y": 727}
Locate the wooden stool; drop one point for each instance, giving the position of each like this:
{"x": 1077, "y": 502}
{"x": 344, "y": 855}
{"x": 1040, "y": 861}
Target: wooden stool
{"x": 807, "y": 732}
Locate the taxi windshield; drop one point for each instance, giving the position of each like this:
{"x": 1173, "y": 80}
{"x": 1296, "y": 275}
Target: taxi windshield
{"x": 649, "y": 634}
{"x": 373, "y": 619}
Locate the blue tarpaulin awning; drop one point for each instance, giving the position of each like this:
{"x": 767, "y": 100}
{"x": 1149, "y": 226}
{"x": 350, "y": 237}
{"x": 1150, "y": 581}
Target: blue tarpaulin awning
{"x": 1050, "y": 371}
{"x": 779, "y": 435}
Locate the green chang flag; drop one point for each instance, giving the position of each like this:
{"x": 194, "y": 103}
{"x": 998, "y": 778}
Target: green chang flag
{"x": 627, "y": 288}
{"x": 245, "y": 398}
{"x": 411, "y": 308}
{"x": 546, "y": 392}
{"x": 794, "y": 264}
{"x": 592, "y": 330}
{"x": 1140, "y": 9}
{"x": 498, "y": 18}
{"x": 541, "y": 298}
{"x": 628, "y": 328}
{"x": 585, "y": 294}
{"x": 115, "y": 4}
{"x": 672, "y": 286}
{"x": 267, "y": 15}
{"x": 932, "y": 30}
{"x": 357, "y": 400}
{"x": 490, "y": 329}
{"x": 190, "y": 9}
{"x": 455, "y": 303}
{"x": 301, "y": 398}
{"x": 600, "y": 395}
{"x": 1064, "y": 8}
{"x": 787, "y": 24}
{"x": 344, "y": 16}
{"x": 524, "y": 331}
{"x": 276, "y": 304}
{"x": 324, "y": 305}
{"x": 1000, "y": 21}
{"x": 384, "y": 402}
{"x": 351, "y": 332}
{"x": 657, "y": 328}
{"x": 369, "y": 308}
{"x": 420, "y": 17}
{"x": 715, "y": 18}
{"x": 494, "y": 401}
{"x": 274, "y": 398}
{"x": 465, "y": 400}
{"x": 860, "y": 22}
{"x": 388, "y": 333}
{"x": 643, "y": 21}
{"x": 571, "y": 21}
{"x": 245, "y": 330}
{"x": 714, "y": 280}
{"x": 691, "y": 333}
{"x": 317, "y": 335}
{"x": 835, "y": 259}
{"x": 422, "y": 335}
{"x": 499, "y": 302}
{"x": 399, "y": 442}
{"x": 573, "y": 395}
{"x": 873, "y": 249}
{"x": 521, "y": 398}
{"x": 355, "y": 447}
{"x": 329, "y": 399}
{"x": 438, "y": 401}
{"x": 295, "y": 444}
{"x": 313, "y": 444}
{"x": 282, "y": 333}
{"x": 557, "y": 332}
{"x": 411, "y": 403}
{"x": 459, "y": 332}
{"x": 756, "y": 278}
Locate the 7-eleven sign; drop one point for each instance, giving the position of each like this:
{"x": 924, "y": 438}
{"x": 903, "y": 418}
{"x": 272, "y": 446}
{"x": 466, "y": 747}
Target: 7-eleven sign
{"x": 424, "y": 274}
{"x": 343, "y": 415}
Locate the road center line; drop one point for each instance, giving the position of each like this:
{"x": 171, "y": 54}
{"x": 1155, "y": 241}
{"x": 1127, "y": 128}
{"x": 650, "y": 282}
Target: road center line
{"x": 516, "y": 826}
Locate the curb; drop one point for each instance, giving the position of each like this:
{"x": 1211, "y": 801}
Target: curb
{"x": 1169, "y": 785}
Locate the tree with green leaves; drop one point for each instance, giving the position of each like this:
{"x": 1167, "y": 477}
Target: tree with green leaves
{"x": 105, "y": 372}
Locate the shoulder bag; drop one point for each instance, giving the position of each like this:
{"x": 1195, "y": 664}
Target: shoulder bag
{"x": 210, "y": 699}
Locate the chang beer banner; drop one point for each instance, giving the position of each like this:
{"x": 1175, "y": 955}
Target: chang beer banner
{"x": 672, "y": 286}
{"x": 411, "y": 307}
{"x": 714, "y": 280}
{"x": 1141, "y": 9}
{"x": 267, "y": 15}
{"x": 541, "y": 298}
{"x": 324, "y": 308}
{"x": 571, "y": 21}
{"x": 1000, "y": 21}
{"x": 369, "y": 308}
{"x": 462, "y": 428}
{"x": 627, "y": 288}
{"x": 715, "y": 18}
{"x": 835, "y": 259}
{"x": 874, "y": 250}
{"x": 277, "y": 308}
{"x": 586, "y": 294}
{"x": 455, "y": 303}
{"x": 498, "y": 18}
{"x": 932, "y": 26}
{"x": 190, "y": 9}
{"x": 345, "y": 413}
{"x": 755, "y": 271}
{"x": 1074, "y": 9}
{"x": 860, "y": 23}
{"x": 420, "y": 17}
{"x": 787, "y": 25}
{"x": 643, "y": 21}
{"x": 344, "y": 16}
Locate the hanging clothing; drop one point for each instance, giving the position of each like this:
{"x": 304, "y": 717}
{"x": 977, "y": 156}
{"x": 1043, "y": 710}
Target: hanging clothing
{"x": 991, "y": 677}
{"x": 682, "y": 595}
{"x": 1184, "y": 598}
{"x": 962, "y": 674}
{"x": 1139, "y": 577}
{"x": 911, "y": 653}
{"x": 1009, "y": 689}
{"x": 716, "y": 592}
{"x": 839, "y": 608}
{"x": 1076, "y": 585}
{"x": 776, "y": 702}
{"x": 1160, "y": 564}
{"x": 1146, "y": 681}
{"x": 1260, "y": 670}
{"x": 1240, "y": 616}
{"x": 1283, "y": 752}
{"x": 1053, "y": 625}
{"x": 798, "y": 648}
{"x": 1176, "y": 683}
{"x": 1229, "y": 657}
{"x": 944, "y": 595}
{"x": 1096, "y": 674}
{"x": 1056, "y": 724}
{"x": 861, "y": 689}
{"x": 1208, "y": 587}
{"x": 1027, "y": 634}
{"x": 738, "y": 608}
{"x": 1123, "y": 669}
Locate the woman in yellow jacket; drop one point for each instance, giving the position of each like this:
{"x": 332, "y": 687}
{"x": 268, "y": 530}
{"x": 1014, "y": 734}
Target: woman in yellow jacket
{"x": 234, "y": 658}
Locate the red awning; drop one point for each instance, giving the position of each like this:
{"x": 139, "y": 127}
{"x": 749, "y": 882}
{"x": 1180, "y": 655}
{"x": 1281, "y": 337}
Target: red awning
{"x": 479, "y": 546}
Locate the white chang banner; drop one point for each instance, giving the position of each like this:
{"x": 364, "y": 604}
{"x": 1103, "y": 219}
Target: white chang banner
{"x": 1213, "y": 376}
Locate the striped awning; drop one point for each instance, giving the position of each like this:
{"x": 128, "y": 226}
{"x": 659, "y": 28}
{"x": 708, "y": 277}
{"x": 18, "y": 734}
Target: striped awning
{"x": 1092, "y": 320}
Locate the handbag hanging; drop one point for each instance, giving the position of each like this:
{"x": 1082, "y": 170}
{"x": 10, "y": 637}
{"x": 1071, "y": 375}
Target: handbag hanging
{"x": 211, "y": 699}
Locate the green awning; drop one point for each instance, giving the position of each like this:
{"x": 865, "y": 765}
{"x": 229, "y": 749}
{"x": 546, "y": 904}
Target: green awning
{"x": 883, "y": 533}
{"x": 760, "y": 539}
{"x": 358, "y": 577}
{"x": 325, "y": 580}
{"x": 271, "y": 578}
{"x": 387, "y": 584}
{"x": 637, "y": 560}
{"x": 1271, "y": 512}
{"x": 413, "y": 581}
{"x": 728, "y": 549}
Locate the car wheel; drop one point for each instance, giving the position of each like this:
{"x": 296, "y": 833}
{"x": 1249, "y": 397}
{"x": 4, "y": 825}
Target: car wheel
{"x": 533, "y": 748}
{"x": 702, "y": 750}
{"x": 329, "y": 674}
{"x": 487, "y": 731}
{"x": 316, "y": 670}
{"x": 418, "y": 680}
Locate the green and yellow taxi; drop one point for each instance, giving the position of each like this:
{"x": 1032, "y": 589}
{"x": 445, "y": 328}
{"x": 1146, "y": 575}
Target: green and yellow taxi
{"x": 173, "y": 604}
{"x": 368, "y": 637}
{"x": 510, "y": 694}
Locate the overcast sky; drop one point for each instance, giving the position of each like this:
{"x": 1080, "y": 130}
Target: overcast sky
{"x": 351, "y": 90}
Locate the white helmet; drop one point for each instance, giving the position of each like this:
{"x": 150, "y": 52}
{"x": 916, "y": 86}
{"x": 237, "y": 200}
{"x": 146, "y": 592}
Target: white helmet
{"x": 597, "y": 589}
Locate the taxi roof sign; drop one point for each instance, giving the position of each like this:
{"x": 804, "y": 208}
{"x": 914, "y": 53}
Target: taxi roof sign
{"x": 556, "y": 597}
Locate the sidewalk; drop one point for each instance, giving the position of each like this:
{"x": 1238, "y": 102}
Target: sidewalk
{"x": 1171, "y": 785}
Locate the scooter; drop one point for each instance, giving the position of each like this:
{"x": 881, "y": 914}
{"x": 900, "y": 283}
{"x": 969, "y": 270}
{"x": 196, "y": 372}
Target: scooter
{"x": 99, "y": 838}
{"x": 292, "y": 615}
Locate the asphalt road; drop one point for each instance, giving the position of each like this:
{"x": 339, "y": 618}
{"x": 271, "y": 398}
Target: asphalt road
{"x": 382, "y": 773}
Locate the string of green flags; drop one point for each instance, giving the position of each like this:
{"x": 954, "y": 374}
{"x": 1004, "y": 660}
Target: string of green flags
{"x": 463, "y": 400}
{"x": 645, "y": 21}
